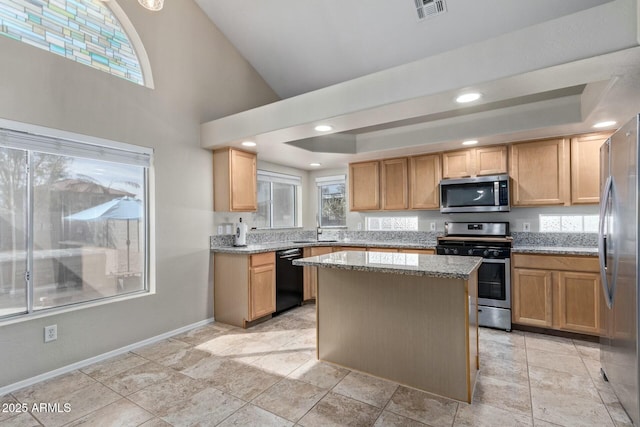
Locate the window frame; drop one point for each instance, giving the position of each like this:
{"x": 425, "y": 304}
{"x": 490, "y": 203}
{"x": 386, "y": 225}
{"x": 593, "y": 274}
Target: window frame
{"x": 326, "y": 181}
{"x": 103, "y": 147}
{"x": 264, "y": 175}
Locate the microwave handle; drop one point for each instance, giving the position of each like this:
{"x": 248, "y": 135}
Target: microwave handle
{"x": 496, "y": 193}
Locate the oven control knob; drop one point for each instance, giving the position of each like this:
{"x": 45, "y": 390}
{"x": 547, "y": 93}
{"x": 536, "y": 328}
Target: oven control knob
{"x": 455, "y": 251}
{"x": 470, "y": 252}
{"x": 496, "y": 253}
{"x": 446, "y": 251}
{"x": 485, "y": 253}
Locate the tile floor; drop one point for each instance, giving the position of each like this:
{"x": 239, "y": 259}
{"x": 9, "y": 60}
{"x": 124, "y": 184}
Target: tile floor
{"x": 267, "y": 376}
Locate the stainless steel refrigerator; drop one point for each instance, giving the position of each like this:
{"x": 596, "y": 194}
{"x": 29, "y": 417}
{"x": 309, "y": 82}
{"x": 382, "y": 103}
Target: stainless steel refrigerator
{"x": 618, "y": 251}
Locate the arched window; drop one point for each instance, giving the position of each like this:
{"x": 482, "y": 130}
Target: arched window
{"x": 92, "y": 32}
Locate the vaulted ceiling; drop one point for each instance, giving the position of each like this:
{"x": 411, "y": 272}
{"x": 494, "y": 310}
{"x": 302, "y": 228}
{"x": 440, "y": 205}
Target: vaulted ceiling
{"x": 387, "y": 81}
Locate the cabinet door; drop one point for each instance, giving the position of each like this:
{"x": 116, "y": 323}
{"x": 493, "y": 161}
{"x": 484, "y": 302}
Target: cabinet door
{"x": 364, "y": 186}
{"x": 491, "y": 160}
{"x": 243, "y": 181}
{"x": 585, "y": 164}
{"x": 532, "y": 297}
{"x": 310, "y": 274}
{"x": 262, "y": 290}
{"x": 382, "y": 249}
{"x": 395, "y": 184}
{"x": 540, "y": 172}
{"x": 578, "y": 302}
{"x": 424, "y": 182}
{"x": 458, "y": 164}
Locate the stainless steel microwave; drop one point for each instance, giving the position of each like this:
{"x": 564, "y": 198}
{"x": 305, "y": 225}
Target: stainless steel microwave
{"x": 480, "y": 194}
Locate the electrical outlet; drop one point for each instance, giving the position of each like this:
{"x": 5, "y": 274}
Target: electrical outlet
{"x": 220, "y": 229}
{"x": 50, "y": 333}
{"x": 359, "y": 226}
{"x": 526, "y": 226}
{"x": 432, "y": 226}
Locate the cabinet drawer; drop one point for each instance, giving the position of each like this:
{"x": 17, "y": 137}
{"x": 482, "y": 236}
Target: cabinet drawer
{"x": 262, "y": 259}
{"x": 587, "y": 264}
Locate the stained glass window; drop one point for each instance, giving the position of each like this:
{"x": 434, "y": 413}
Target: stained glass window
{"x": 85, "y": 31}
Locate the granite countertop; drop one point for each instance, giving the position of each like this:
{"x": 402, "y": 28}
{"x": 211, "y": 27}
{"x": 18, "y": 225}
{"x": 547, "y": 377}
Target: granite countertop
{"x": 442, "y": 266}
{"x": 555, "y": 250}
{"x": 278, "y": 246}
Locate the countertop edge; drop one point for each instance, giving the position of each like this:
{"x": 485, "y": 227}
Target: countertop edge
{"x": 390, "y": 269}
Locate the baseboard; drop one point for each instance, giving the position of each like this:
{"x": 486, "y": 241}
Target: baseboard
{"x": 86, "y": 362}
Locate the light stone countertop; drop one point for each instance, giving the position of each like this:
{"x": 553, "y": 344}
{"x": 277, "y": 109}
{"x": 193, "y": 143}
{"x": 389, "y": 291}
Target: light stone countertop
{"x": 555, "y": 250}
{"x": 278, "y": 246}
{"x": 442, "y": 266}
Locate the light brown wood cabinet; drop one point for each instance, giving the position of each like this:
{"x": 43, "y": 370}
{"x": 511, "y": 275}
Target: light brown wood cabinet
{"x": 585, "y": 163}
{"x": 475, "y": 162}
{"x": 262, "y": 285}
{"x": 310, "y": 274}
{"x": 234, "y": 180}
{"x": 424, "y": 179}
{"x": 394, "y": 183}
{"x": 557, "y": 292}
{"x": 540, "y": 173}
{"x": 244, "y": 287}
{"x": 364, "y": 186}
{"x": 418, "y": 251}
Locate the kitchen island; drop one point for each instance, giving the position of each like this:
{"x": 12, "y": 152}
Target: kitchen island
{"x": 410, "y": 318}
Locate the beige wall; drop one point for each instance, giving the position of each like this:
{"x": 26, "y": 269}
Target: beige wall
{"x": 198, "y": 77}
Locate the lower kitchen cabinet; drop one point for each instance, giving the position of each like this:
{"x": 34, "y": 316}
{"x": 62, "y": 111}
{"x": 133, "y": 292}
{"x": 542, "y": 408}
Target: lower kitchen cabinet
{"x": 418, "y": 251}
{"x": 557, "y": 292}
{"x": 244, "y": 287}
{"x": 310, "y": 274}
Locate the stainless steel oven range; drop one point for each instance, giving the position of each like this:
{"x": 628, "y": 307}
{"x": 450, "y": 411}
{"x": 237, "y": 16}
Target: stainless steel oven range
{"x": 492, "y": 242}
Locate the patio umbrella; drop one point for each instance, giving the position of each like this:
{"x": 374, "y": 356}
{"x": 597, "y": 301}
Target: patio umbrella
{"x": 126, "y": 208}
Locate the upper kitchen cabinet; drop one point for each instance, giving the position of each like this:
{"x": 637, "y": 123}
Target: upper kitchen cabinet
{"x": 364, "y": 186}
{"x": 234, "y": 180}
{"x": 540, "y": 172}
{"x": 585, "y": 159}
{"x": 424, "y": 176}
{"x": 395, "y": 184}
{"x": 475, "y": 162}
{"x": 491, "y": 160}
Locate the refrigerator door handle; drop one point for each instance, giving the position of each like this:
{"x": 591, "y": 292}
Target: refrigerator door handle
{"x": 607, "y": 288}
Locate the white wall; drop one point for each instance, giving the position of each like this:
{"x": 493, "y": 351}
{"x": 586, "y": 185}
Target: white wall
{"x": 198, "y": 77}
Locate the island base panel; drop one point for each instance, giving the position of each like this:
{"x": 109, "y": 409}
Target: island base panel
{"x": 414, "y": 330}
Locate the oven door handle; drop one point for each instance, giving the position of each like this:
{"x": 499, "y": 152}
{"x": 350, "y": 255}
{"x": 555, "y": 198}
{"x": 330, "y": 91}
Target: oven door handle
{"x": 495, "y": 261}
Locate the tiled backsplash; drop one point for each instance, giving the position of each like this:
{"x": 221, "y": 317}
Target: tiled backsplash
{"x": 419, "y": 237}
{"x": 581, "y": 240}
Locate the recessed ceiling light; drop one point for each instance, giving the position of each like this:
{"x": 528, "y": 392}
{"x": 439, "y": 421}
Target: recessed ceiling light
{"x": 468, "y": 97}
{"x": 249, "y": 144}
{"x": 470, "y": 142}
{"x": 323, "y": 128}
{"x": 604, "y": 124}
{"x": 315, "y": 164}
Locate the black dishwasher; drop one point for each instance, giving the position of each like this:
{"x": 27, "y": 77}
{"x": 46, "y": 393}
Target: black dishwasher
{"x": 288, "y": 280}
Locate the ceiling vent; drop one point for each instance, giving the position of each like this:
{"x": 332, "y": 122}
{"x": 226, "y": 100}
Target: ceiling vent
{"x": 429, "y": 8}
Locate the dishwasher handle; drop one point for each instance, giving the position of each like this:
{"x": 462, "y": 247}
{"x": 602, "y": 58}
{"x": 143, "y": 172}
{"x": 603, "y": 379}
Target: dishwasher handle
{"x": 290, "y": 254}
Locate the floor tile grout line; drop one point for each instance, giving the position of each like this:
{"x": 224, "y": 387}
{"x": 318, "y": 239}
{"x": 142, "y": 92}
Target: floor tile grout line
{"x": 526, "y": 356}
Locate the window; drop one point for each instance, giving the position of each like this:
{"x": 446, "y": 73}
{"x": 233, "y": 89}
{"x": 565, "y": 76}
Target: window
{"x": 86, "y": 31}
{"x": 568, "y": 223}
{"x": 278, "y": 196}
{"x": 73, "y": 222}
{"x": 332, "y": 203}
{"x": 392, "y": 223}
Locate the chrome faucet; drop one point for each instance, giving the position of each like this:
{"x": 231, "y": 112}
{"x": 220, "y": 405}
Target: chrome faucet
{"x": 318, "y": 233}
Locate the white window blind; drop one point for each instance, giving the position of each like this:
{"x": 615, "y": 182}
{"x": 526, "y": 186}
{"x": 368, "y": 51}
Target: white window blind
{"x": 52, "y": 145}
